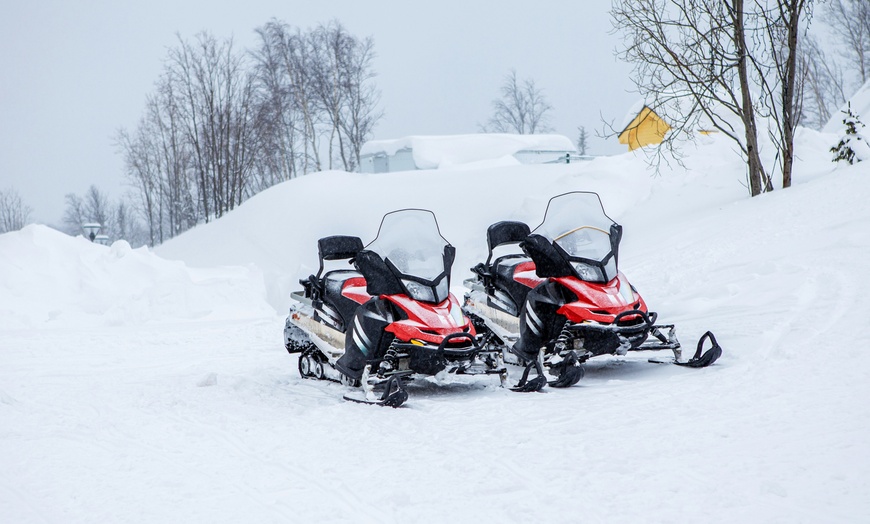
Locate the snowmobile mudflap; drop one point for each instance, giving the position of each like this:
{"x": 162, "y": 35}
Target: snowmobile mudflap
{"x": 708, "y": 357}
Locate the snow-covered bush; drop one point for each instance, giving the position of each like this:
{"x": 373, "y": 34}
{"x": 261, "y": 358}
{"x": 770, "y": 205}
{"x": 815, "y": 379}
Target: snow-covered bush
{"x": 853, "y": 146}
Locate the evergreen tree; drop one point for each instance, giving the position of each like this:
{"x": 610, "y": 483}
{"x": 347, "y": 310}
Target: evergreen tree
{"x": 845, "y": 150}
{"x": 582, "y": 140}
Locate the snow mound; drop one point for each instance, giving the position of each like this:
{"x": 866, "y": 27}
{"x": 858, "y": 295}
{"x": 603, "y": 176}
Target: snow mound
{"x": 50, "y": 279}
{"x": 277, "y": 230}
{"x": 860, "y": 104}
{"x": 434, "y": 152}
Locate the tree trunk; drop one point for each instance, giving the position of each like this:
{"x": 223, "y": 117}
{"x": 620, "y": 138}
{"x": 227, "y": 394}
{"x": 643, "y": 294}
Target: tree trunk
{"x": 758, "y": 180}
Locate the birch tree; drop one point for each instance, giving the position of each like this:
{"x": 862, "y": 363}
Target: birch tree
{"x": 521, "y": 109}
{"x": 14, "y": 213}
{"x": 729, "y": 61}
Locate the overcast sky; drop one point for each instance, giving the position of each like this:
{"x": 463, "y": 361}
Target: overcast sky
{"x": 74, "y": 72}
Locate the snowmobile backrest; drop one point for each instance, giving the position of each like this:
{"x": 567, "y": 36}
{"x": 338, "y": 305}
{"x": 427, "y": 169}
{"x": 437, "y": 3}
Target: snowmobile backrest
{"x": 505, "y": 232}
{"x": 337, "y": 247}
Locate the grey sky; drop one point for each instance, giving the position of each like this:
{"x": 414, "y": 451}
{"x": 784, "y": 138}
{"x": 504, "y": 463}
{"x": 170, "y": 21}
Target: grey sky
{"x": 72, "y": 73}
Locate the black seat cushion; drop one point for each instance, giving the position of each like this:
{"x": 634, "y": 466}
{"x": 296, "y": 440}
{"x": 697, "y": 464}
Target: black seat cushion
{"x": 333, "y": 282}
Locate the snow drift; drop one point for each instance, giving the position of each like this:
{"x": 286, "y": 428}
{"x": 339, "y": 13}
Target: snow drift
{"x": 49, "y": 279}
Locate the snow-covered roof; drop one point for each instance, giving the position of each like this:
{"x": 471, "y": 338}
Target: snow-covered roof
{"x": 633, "y": 111}
{"x": 432, "y": 152}
{"x": 860, "y": 103}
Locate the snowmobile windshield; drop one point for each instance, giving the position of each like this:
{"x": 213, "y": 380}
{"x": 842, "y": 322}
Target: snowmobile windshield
{"x": 411, "y": 244}
{"x": 576, "y": 224}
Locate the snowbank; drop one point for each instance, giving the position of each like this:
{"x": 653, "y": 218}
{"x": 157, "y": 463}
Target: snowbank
{"x": 277, "y": 230}
{"x": 433, "y": 152}
{"x": 860, "y": 104}
{"x": 49, "y": 279}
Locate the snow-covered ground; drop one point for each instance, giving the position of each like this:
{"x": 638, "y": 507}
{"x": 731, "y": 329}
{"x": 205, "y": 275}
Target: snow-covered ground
{"x": 140, "y": 386}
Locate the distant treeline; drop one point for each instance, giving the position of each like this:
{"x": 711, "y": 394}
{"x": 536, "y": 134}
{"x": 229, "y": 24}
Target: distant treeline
{"x": 224, "y": 124}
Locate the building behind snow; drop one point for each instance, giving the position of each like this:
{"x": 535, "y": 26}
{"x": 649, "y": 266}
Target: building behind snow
{"x": 434, "y": 152}
{"x": 646, "y": 123}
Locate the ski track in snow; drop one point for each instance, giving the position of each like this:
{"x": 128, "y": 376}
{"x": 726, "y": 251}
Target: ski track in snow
{"x": 207, "y": 420}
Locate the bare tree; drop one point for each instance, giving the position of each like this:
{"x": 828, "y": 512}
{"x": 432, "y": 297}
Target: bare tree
{"x": 127, "y": 227}
{"x": 74, "y": 214}
{"x": 718, "y": 60}
{"x": 14, "y": 213}
{"x": 521, "y": 109}
{"x": 278, "y": 116}
{"x": 117, "y": 221}
{"x": 360, "y": 112}
{"x": 823, "y": 84}
{"x": 312, "y": 88}
{"x": 849, "y": 21}
{"x": 782, "y": 21}
{"x": 223, "y": 125}
{"x": 97, "y": 208}
{"x": 691, "y": 59}
{"x": 216, "y": 94}
{"x": 330, "y": 46}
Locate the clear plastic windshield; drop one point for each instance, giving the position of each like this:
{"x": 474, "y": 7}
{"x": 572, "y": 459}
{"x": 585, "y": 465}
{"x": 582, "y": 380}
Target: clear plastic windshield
{"x": 576, "y": 222}
{"x": 410, "y": 240}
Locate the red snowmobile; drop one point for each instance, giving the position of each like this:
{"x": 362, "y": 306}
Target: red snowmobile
{"x": 563, "y": 299}
{"x": 390, "y": 318}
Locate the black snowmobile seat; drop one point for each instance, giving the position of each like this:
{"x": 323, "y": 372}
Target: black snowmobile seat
{"x": 329, "y": 284}
{"x": 504, "y": 269}
{"x": 333, "y": 283}
{"x": 501, "y": 270}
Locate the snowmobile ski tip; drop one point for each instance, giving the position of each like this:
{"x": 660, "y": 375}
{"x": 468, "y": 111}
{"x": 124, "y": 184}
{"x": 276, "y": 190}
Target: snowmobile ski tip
{"x": 708, "y": 357}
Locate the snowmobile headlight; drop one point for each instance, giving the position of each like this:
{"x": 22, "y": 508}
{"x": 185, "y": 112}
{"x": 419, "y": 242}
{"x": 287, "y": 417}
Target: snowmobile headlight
{"x": 442, "y": 289}
{"x": 456, "y": 315}
{"x": 587, "y": 272}
{"x": 625, "y": 291}
{"x": 418, "y": 291}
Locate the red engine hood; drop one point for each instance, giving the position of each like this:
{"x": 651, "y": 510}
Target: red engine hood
{"x": 599, "y": 302}
{"x": 428, "y": 322}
